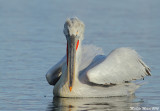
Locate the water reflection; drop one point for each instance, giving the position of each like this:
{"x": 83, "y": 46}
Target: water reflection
{"x": 111, "y": 103}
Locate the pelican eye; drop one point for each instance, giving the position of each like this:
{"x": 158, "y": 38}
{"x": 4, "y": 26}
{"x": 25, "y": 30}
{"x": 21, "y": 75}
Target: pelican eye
{"x": 76, "y": 33}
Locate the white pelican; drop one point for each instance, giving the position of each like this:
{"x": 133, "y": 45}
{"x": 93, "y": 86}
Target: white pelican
{"x": 86, "y": 72}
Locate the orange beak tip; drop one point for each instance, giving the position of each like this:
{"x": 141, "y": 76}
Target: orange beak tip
{"x": 70, "y": 88}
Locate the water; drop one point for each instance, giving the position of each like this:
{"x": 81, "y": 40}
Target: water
{"x": 31, "y": 41}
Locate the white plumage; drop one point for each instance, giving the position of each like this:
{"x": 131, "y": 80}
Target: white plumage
{"x": 121, "y": 65}
{"x": 94, "y": 74}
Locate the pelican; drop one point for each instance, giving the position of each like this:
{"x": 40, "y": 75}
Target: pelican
{"x": 86, "y": 72}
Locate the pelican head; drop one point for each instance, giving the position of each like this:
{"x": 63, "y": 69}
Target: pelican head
{"x": 74, "y": 27}
{"x": 73, "y": 30}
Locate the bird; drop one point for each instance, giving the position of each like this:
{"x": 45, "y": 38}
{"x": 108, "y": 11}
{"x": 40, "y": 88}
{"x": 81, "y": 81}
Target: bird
{"x": 86, "y": 72}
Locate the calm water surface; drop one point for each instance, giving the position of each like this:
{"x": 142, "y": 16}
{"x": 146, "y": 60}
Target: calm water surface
{"x": 31, "y": 41}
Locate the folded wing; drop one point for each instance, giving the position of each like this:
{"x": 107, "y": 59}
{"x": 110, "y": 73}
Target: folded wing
{"x": 54, "y": 74}
{"x": 121, "y": 65}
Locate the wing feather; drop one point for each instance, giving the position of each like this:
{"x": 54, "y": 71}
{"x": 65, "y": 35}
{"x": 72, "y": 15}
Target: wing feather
{"x": 54, "y": 74}
{"x": 121, "y": 65}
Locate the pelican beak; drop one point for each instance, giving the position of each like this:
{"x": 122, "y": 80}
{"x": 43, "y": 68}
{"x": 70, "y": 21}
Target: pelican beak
{"x": 71, "y": 59}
